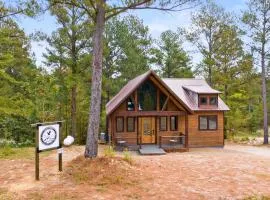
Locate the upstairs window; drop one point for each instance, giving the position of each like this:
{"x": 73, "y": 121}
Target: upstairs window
{"x": 147, "y": 96}
{"x": 213, "y": 101}
{"x": 130, "y": 104}
{"x": 208, "y": 100}
{"x": 203, "y": 100}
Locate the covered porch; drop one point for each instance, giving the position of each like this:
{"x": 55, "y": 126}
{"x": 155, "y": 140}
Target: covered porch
{"x": 167, "y": 130}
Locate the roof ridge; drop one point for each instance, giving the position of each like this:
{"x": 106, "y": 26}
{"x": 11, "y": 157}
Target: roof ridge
{"x": 185, "y": 78}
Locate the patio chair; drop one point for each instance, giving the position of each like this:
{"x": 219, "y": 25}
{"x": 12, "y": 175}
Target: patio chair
{"x": 121, "y": 144}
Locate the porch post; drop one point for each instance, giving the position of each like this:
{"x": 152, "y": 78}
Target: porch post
{"x": 186, "y": 129}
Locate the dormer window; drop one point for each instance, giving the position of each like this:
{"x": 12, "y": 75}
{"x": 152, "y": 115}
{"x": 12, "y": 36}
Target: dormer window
{"x": 203, "y": 100}
{"x": 213, "y": 101}
{"x": 208, "y": 100}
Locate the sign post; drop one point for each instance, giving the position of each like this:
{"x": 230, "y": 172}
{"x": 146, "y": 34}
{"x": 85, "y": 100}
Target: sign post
{"x": 48, "y": 137}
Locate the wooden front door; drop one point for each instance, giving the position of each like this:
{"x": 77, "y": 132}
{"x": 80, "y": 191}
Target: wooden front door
{"x": 147, "y": 130}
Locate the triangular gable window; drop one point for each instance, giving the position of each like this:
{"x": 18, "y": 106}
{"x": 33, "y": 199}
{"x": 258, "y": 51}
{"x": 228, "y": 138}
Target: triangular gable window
{"x": 147, "y": 96}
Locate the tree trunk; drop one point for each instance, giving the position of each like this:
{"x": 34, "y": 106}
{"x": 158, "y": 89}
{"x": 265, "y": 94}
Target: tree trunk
{"x": 73, "y": 110}
{"x": 91, "y": 148}
{"x": 265, "y": 123}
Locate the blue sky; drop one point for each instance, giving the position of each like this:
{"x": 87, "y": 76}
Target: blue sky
{"x": 157, "y": 22}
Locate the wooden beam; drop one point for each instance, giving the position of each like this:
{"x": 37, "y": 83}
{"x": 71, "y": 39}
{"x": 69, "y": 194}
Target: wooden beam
{"x": 186, "y": 129}
{"x": 136, "y": 100}
{"x": 164, "y": 90}
{"x": 158, "y": 99}
{"x": 165, "y": 103}
{"x": 148, "y": 113}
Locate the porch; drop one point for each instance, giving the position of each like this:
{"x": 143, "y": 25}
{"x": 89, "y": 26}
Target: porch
{"x": 166, "y": 144}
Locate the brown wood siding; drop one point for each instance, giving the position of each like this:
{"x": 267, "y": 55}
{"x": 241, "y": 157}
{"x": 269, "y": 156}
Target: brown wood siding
{"x": 181, "y": 128}
{"x": 172, "y": 110}
{"x": 205, "y": 138}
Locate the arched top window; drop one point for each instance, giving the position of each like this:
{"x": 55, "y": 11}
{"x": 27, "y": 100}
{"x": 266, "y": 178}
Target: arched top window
{"x": 147, "y": 96}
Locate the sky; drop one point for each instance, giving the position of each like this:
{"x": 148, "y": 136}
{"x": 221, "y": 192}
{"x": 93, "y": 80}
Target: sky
{"x": 157, "y": 22}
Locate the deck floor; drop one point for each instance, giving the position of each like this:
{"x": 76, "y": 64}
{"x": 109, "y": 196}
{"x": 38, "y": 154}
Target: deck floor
{"x": 151, "y": 150}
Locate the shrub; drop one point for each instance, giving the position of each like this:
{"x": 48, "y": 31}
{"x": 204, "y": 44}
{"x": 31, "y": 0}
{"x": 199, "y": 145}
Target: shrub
{"x": 5, "y": 142}
{"x": 6, "y": 151}
{"x": 127, "y": 156}
{"x": 109, "y": 152}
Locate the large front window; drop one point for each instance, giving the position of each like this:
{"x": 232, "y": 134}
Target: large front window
{"x": 174, "y": 123}
{"x": 119, "y": 124}
{"x": 147, "y": 96}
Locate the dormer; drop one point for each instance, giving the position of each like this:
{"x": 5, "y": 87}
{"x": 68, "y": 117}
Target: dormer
{"x": 203, "y": 95}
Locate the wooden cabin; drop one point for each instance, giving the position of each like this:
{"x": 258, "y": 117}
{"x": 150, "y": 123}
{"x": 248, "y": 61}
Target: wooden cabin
{"x": 172, "y": 113}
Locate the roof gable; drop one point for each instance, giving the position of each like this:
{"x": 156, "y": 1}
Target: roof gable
{"x": 177, "y": 87}
{"x": 132, "y": 85}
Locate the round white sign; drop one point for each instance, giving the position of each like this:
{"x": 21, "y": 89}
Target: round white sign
{"x": 48, "y": 136}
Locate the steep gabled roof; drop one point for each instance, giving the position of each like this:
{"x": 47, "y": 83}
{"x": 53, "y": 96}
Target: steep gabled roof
{"x": 125, "y": 92}
{"x": 177, "y": 87}
{"x": 131, "y": 86}
{"x": 180, "y": 86}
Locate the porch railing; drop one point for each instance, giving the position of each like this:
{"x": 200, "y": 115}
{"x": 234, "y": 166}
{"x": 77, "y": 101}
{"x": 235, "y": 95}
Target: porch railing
{"x": 128, "y": 142}
{"x": 172, "y": 142}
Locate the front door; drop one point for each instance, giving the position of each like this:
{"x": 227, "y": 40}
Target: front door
{"x": 147, "y": 130}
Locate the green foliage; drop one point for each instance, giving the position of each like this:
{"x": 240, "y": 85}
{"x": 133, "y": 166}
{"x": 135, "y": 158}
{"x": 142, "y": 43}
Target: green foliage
{"x": 109, "y": 152}
{"x": 206, "y": 23}
{"x": 29, "y": 94}
{"x": 17, "y": 108}
{"x": 68, "y": 55}
{"x": 127, "y": 157}
{"x": 172, "y": 60}
{"x": 8, "y": 152}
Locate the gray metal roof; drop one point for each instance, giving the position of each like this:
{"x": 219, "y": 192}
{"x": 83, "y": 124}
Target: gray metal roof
{"x": 177, "y": 87}
{"x": 180, "y": 86}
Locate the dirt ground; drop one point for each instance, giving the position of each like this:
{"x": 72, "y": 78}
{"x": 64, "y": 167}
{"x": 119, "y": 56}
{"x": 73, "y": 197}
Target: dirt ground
{"x": 232, "y": 172}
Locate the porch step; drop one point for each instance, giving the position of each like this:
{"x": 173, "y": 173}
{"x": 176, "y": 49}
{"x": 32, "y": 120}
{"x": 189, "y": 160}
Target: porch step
{"x": 151, "y": 150}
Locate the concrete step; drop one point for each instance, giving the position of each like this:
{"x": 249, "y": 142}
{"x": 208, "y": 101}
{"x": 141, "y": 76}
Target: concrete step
{"x": 151, "y": 150}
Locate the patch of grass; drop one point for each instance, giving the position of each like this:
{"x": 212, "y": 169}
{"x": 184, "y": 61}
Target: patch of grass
{"x": 8, "y": 152}
{"x": 109, "y": 152}
{"x": 128, "y": 157}
{"x": 255, "y": 197}
{"x": 242, "y": 136}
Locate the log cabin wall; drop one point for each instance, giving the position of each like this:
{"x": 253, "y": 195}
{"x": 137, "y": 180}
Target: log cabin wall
{"x": 169, "y": 103}
{"x": 132, "y": 137}
{"x": 203, "y": 138}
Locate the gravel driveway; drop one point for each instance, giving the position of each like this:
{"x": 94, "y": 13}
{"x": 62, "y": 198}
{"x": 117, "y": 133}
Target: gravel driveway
{"x": 232, "y": 172}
